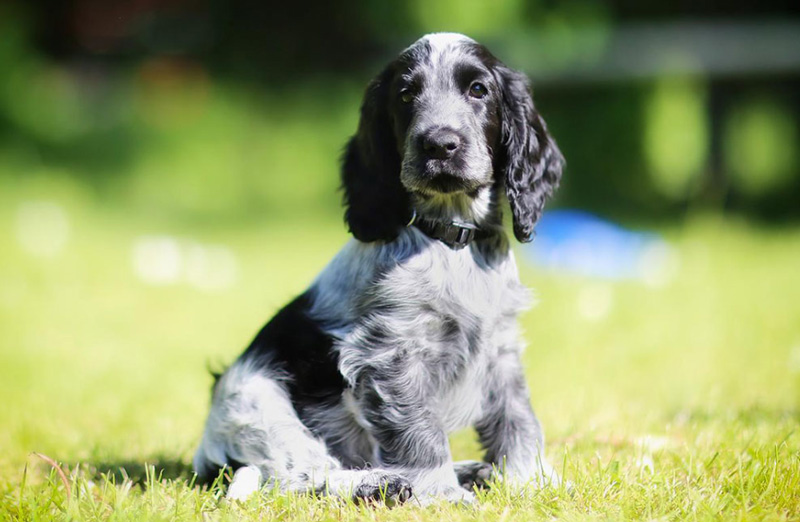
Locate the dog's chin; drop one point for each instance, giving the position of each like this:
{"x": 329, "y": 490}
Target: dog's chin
{"x": 446, "y": 183}
{"x": 432, "y": 182}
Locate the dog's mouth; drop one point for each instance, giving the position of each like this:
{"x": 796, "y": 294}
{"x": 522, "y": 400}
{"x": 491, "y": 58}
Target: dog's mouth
{"x": 434, "y": 176}
{"x": 443, "y": 176}
{"x": 442, "y": 182}
{"x": 446, "y": 183}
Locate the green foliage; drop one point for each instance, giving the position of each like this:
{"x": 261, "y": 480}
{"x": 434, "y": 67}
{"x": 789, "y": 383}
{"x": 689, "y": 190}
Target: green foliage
{"x": 761, "y": 146}
{"x": 474, "y": 17}
{"x": 170, "y": 133}
{"x": 676, "y": 138}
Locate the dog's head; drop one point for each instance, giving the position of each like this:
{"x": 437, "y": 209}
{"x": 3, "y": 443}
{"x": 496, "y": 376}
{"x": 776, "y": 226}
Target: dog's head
{"x": 446, "y": 118}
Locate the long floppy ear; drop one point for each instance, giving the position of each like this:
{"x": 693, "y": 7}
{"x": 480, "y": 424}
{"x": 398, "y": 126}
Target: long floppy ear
{"x": 532, "y": 162}
{"x": 378, "y": 205}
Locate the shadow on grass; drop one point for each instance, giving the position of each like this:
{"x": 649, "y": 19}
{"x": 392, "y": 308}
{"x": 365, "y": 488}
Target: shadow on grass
{"x": 142, "y": 471}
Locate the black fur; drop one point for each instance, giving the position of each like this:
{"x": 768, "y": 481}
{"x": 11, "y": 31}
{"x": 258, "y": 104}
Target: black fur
{"x": 527, "y": 160}
{"x": 294, "y": 343}
{"x": 377, "y": 206}
{"x": 400, "y": 340}
{"x": 532, "y": 161}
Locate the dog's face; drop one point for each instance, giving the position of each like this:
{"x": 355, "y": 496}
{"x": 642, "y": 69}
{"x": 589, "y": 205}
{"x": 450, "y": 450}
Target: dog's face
{"x": 445, "y": 108}
{"x": 446, "y": 117}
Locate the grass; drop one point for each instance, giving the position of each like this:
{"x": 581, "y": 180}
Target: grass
{"x": 680, "y": 402}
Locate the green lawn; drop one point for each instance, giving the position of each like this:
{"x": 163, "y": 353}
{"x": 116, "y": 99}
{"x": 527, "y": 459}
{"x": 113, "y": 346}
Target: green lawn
{"x": 680, "y": 402}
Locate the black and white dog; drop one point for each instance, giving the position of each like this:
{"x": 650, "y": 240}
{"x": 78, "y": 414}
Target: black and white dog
{"x": 411, "y": 330}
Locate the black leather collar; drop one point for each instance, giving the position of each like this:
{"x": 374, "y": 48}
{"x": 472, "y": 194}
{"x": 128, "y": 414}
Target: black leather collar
{"x": 451, "y": 233}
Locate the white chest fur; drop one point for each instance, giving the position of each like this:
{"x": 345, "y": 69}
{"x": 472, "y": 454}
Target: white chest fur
{"x": 442, "y": 312}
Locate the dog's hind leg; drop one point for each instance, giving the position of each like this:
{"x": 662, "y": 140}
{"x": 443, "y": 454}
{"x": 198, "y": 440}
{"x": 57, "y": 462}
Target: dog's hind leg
{"x": 246, "y": 481}
{"x": 254, "y": 428}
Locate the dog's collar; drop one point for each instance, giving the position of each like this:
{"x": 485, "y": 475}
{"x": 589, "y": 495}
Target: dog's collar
{"x": 452, "y": 233}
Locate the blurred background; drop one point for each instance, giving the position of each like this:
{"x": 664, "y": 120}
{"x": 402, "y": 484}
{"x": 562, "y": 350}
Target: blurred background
{"x": 169, "y": 174}
{"x": 240, "y": 108}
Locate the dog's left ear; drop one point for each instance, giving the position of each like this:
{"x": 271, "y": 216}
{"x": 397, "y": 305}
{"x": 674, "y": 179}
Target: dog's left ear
{"x": 532, "y": 163}
{"x": 377, "y": 204}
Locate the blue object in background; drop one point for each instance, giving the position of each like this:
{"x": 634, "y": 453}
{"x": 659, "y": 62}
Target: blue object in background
{"x": 580, "y": 242}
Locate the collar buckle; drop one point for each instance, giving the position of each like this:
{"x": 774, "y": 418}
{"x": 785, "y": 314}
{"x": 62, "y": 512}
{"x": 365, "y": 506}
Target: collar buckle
{"x": 458, "y": 235}
{"x": 453, "y": 234}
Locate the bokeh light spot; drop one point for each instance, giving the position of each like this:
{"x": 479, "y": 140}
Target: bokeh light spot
{"x": 760, "y": 147}
{"x": 42, "y": 228}
{"x": 676, "y": 136}
{"x": 157, "y": 260}
{"x": 595, "y": 301}
{"x": 211, "y": 267}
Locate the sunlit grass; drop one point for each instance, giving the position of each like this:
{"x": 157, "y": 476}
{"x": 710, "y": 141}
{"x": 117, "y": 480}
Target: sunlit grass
{"x": 678, "y": 402}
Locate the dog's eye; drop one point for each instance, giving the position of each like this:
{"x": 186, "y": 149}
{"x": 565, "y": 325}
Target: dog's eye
{"x": 478, "y": 90}
{"x": 406, "y": 96}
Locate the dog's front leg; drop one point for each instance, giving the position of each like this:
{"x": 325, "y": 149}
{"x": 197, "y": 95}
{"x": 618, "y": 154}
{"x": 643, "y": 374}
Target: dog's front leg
{"x": 409, "y": 436}
{"x": 509, "y": 429}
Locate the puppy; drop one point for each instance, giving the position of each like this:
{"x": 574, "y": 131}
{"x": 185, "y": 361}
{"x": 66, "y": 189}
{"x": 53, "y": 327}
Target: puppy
{"x": 411, "y": 331}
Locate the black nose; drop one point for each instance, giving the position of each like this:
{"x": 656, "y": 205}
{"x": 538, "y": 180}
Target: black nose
{"x": 441, "y": 143}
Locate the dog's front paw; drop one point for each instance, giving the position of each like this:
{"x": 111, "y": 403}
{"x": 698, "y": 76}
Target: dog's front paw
{"x": 473, "y": 474}
{"x": 379, "y": 486}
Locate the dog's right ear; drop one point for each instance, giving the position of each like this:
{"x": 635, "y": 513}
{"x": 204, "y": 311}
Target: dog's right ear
{"x": 532, "y": 161}
{"x": 377, "y": 204}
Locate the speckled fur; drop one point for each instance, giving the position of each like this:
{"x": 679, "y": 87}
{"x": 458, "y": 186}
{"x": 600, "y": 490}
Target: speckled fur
{"x": 353, "y": 388}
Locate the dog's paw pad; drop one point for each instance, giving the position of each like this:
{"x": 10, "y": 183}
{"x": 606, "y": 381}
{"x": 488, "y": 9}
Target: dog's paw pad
{"x": 387, "y": 488}
{"x": 475, "y": 474}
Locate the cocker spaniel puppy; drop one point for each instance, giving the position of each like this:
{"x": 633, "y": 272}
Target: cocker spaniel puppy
{"x": 411, "y": 330}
